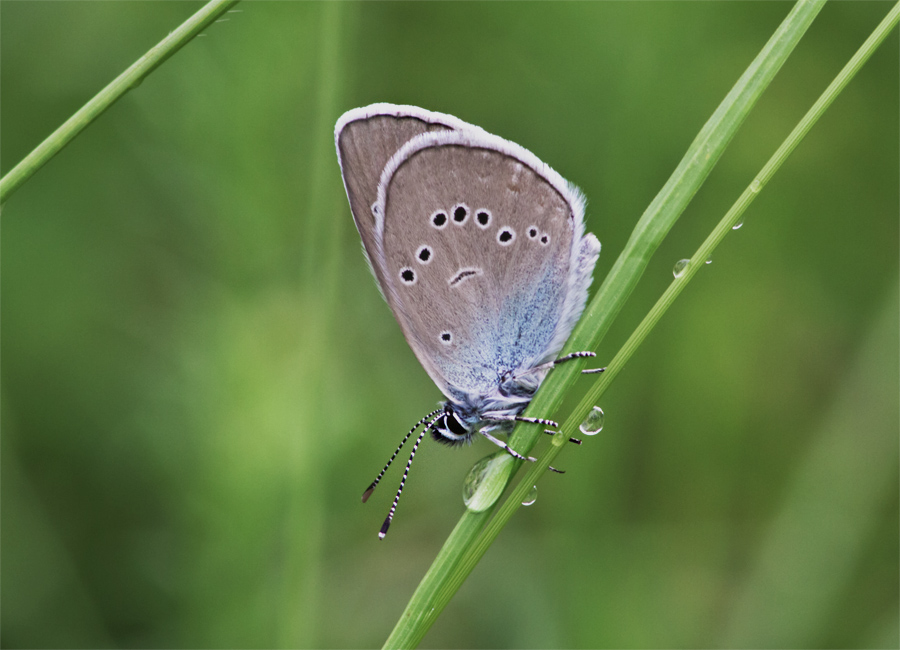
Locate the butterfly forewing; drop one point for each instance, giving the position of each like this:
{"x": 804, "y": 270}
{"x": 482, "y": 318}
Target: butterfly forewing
{"x": 364, "y": 146}
{"x": 365, "y": 139}
{"x": 478, "y": 291}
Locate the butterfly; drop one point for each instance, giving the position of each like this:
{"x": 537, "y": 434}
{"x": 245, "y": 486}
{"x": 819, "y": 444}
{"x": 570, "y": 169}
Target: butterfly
{"x": 479, "y": 249}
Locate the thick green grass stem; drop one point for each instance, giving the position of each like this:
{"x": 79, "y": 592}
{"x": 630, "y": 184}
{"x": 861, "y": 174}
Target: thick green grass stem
{"x": 731, "y": 218}
{"x": 131, "y": 78}
{"x": 445, "y": 578}
{"x": 665, "y": 209}
{"x": 697, "y": 262}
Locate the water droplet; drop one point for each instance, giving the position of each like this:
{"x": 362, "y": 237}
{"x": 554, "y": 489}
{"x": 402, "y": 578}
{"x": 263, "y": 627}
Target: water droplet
{"x": 755, "y": 186}
{"x": 486, "y": 480}
{"x": 709, "y": 260}
{"x": 680, "y": 267}
{"x": 593, "y": 423}
{"x": 532, "y": 496}
{"x": 738, "y": 225}
{"x": 475, "y": 478}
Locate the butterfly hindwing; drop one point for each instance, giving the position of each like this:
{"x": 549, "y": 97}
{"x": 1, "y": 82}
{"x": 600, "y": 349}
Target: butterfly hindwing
{"x": 477, "y": 239}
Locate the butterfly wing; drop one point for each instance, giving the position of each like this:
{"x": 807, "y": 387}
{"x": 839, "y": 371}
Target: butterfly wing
{"x": 365, "y": 139}
{"x": 496, "y": 283}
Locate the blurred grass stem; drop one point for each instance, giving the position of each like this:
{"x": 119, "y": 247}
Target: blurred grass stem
{"x": 302, "y": 574}
{"x": 131, "y": 78}
{"x": 468, "y": 543}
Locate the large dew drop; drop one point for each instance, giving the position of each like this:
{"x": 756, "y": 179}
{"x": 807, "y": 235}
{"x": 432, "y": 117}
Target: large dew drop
{"x": 593, "y": 423}
{"x": 532, "y": 496}
{"x": 680, "y": 268}
{"x": 484, "y": 483}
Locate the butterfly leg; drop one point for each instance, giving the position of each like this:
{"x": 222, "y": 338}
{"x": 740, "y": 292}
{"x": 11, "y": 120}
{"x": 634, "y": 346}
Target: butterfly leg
{"x": 546, "y": 423}
{"x": 522, "y": 418}
{"x": 580, "y": 355}
{"x": 555, "y": 362}
{"x": 553, "y": 433}
{"x": 552, "y": 364}
{"x": 496, "y": 417}
{"x": 512, "y": 452}
{"x": 573, "y": 355}
{"x": 505, "y": 447}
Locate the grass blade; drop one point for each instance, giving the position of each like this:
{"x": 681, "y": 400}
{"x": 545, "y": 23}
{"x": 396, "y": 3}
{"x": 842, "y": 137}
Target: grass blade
{"x": 464, "y": 547}
{"x": 538, "y": 469}
{"x": 131, "y": 78}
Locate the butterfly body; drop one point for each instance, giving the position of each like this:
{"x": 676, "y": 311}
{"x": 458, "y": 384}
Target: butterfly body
{"x": 479, "y": 249}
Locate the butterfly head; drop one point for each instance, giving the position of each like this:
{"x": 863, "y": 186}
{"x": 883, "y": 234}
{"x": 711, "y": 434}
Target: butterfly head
{"x": 462, "y": 420}
{"x": 454, "y": 427}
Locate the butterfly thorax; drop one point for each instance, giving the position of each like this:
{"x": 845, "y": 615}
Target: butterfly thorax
{"x": 468, "y": 414}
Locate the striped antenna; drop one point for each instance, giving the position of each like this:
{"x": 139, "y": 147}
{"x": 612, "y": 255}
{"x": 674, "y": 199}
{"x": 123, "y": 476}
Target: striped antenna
{"x": 387, "y": 521}
{"x": 371, "y": 488}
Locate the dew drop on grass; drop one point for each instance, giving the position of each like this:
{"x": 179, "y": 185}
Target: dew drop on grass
{"x": 474, "y": 478}
{"x": 532, "y": 496}
{"x": 709, "y": 260}
{"x": 738, "y": 225}
{"x": 485, "y": 481}
{"x": 680, "y": 268}
{"x": 593, "y": 423}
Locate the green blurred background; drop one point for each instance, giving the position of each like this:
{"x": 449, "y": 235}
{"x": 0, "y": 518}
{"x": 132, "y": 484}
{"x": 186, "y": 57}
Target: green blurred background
{"x": 199, "y": 377}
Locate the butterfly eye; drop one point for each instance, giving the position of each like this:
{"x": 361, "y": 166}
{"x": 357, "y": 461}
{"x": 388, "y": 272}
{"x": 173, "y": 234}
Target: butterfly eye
{"x": 455, "y": 425}
{"x": 407, "y": 276}
{"x": 439, "y": 219}
{"x": 483, "y": 218}
{"x": 506, "y": 236}
{"x": 424, "y": 254}
{"x": 460, "y": 214}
